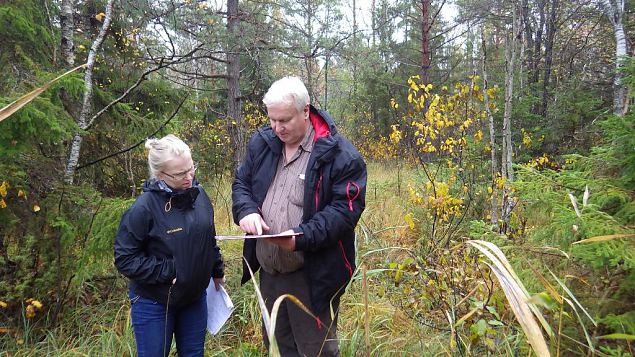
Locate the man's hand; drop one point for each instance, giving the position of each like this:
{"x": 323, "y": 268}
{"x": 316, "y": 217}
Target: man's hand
{"x": 253, "y": 224}
{"x": 218, "y": 282}
{"x": 285, "y": 243}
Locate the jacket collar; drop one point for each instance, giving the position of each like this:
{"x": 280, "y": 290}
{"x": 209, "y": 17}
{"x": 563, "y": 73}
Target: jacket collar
{"x": 325, "y": 135}
{"x": 177, "y": 198}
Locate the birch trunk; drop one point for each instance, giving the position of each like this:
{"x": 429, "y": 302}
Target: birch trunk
{"x": 234, "y": 101}
{"x": 83, "y": 120}
{"x": 510, "y": 58}
{"x": 67, "y": 26}
{"x": 492, "y": 133}
{"x": 507, "y": 148}
{"x": 614, "y": 10}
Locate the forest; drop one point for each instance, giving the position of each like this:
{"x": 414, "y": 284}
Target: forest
{"x": 500, "y": 149}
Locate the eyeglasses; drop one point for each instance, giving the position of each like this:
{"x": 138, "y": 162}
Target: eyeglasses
{"x": 181, "y": 175}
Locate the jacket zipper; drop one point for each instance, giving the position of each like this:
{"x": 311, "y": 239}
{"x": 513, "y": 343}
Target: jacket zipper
{"x": 317, "y": 193}
{"x": 346, "y": 262}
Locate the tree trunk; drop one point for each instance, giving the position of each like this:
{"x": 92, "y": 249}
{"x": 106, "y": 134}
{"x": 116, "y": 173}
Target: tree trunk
{"x": 67, "y": 26}
{"x": 510, "y": 58}
{"x": 326, "y": 82}
{"x": 87, "y": 105}
{"x": 507, "y": 148}
{"x": 538, "y": 43}
{"x": 234, "y": 101}
{"x": 308, "y": 56}
{"x": 492, "y": 133}
{"x": 551, "y": 34}
{"x": 529, "y": 39}
{"x": 614, "y": 10}
{"x": 425, "y": 41}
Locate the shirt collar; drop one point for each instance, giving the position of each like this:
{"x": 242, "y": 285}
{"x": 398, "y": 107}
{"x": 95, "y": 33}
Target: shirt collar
{"x": 307, "y": 142}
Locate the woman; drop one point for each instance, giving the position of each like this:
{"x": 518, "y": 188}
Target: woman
{"x": 166, "y": 247}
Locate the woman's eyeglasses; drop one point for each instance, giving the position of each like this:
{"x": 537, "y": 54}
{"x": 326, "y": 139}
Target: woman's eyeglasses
{"x": 181, "y": 175}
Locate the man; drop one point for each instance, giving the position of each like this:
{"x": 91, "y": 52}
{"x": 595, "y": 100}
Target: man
{"x": 300, "y": 176}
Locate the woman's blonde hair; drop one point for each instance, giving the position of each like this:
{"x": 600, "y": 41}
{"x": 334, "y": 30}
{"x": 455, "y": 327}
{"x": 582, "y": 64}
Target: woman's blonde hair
{"x": 162, "y": 150}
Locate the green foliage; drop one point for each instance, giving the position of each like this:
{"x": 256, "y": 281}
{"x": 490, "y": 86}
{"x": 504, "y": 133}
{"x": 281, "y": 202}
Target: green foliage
{"x": 96, "y": 254}
{"x": 26, "y": 41}
{"x": 620, "y": 323}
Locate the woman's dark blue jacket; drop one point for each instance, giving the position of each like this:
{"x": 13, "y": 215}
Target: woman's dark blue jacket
{"x": 166, "y": 235}
{"x": 334, "y": 198}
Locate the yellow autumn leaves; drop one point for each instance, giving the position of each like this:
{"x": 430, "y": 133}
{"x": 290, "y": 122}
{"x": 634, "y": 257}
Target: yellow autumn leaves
{"x": 441, "y": 123}
{"x": 4, "y": 192}
{"x": 31, "y": 308}
{"x": 443, "y": 126}
{"x": 438, "y": 198}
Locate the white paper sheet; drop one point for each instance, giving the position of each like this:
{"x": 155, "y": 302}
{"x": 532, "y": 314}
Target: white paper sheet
{"x": 219, "y": 307}
{"x": 253, "y": 236}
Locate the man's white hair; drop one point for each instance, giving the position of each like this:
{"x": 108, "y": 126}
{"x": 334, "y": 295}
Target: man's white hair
{"x": 287, "y": 90}
{"x": 164, "y": 149}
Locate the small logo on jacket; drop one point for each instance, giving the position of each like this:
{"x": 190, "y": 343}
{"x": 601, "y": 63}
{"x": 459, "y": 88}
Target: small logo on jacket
{"x": 174, "y": 230}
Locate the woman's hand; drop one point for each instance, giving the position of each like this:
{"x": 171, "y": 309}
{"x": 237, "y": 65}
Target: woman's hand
{"x": 218, "y": 282}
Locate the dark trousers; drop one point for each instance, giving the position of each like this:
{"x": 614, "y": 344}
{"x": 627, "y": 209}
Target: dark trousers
{"x": 153, "y": 333}
{"x": 297, "y": 333}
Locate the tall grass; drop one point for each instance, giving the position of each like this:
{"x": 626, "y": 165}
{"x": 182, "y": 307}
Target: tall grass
{"x": 368, "y": 323}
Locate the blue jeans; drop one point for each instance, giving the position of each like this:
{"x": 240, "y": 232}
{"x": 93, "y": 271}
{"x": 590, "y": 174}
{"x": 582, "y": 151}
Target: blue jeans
{"x": 153, "y": 333}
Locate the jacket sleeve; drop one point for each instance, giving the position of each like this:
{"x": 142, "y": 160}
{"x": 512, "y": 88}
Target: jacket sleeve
{"x": 130, "y": 259}
{"x": 219, "y": 265}
{"x": 242, "y": 195}
{"x": 338, "y": 218}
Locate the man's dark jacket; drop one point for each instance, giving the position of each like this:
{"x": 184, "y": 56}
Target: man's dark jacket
{"x": 166, "y": 235}
{"x": 334, "y": 198}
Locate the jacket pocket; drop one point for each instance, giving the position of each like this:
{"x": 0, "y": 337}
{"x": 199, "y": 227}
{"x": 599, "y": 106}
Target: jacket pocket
{"x": 296, "y": 191}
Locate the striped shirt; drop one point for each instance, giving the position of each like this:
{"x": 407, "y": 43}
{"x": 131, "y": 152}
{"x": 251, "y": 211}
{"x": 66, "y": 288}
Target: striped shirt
{"x": 282, "y": 208}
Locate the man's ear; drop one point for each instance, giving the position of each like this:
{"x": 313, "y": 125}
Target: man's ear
{"x": 306, "y": 110}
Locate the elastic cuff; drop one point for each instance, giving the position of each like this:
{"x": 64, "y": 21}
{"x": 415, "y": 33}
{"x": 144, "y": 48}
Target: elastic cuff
{"x": 170, "y": 271}
{"x": 300, "y": 241}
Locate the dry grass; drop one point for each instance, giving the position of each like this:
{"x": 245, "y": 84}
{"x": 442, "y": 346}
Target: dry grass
{"x": 368, "y": 324}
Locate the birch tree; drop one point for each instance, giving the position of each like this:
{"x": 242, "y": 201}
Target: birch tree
{"x": 614, "y": 10}
{"x": 83, "y": 121}
{"x": 507, "y": 148}
{"x": 67, "y": 26}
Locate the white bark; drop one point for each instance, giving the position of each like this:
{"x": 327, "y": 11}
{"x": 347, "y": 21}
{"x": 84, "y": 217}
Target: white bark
{"x": 67, "y": 26}
{"x": 614, "y": 10}
{"x": 507, "y": 148}
{"x": 82, "y": 122}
